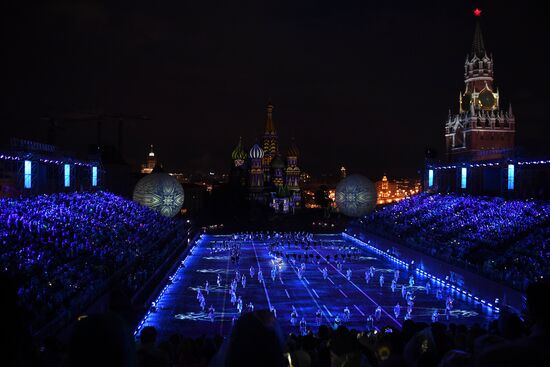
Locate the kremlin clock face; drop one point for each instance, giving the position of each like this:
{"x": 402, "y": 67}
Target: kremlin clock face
{"x": 487, "y": 99}
{"x": 466, "y": 99}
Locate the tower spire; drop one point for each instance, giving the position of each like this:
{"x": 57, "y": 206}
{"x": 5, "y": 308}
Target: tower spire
{"x": 478, "y": 46}
{"x": 269, "y": 126}
{"x": 480, "y": 110}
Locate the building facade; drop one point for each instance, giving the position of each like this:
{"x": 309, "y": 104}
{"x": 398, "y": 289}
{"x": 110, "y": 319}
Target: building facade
{"x": 390, "y": 191}
{"x": 34, "y": 168}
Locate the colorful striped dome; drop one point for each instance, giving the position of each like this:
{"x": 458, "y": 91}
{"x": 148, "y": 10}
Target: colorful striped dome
{"x": 256, "y": 152}
{"x": 239, "y": 153}
{"x": 293, "y": 150}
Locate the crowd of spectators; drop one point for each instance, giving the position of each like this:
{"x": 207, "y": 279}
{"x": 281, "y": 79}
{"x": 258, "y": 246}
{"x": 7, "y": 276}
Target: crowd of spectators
{"x": 257, "y": 340}
{"x": 507, "y": 240}
{"x": 63, "y": 248}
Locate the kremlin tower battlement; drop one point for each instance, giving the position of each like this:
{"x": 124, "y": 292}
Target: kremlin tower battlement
{"x": 481, "y": 130}
{"x": 481, "y": 158}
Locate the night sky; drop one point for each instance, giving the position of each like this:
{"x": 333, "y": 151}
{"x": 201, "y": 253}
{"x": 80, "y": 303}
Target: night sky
{"x": 363, "y": 84}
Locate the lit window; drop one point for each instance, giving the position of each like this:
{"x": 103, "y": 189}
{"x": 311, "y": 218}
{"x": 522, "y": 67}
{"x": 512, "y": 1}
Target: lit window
{"x": 463, "y": 175}
{"x": 94, "y": 176}
{"x": 430, "y": 178}
{"x": 28, "y": 174}
{"x": 510, "y": 177}
{"x": 67, "y": 175}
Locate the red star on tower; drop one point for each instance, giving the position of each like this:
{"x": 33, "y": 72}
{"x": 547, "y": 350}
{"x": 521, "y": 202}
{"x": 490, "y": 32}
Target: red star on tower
{"x": 477, "y": 12}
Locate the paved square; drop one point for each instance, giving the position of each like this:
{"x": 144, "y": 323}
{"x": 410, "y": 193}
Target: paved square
{"x": 315, "y": 298}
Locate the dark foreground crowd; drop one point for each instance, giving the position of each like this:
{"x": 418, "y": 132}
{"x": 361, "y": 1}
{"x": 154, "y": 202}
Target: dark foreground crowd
{"x": 257, "y": 340}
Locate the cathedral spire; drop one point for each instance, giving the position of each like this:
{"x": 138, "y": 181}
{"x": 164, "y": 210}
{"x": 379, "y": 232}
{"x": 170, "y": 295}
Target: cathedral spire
{"x": 478, "y": 46}
{"x": 269, "y": 126}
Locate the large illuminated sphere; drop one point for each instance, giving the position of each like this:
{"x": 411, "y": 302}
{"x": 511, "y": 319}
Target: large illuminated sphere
{"x": 160, "y": 192}
{"x": 355, "y": 196}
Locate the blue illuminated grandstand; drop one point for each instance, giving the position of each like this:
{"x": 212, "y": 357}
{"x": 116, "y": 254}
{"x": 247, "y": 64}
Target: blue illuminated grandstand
{"x": 506, "y": 240}
{"x": 65, "y": 248}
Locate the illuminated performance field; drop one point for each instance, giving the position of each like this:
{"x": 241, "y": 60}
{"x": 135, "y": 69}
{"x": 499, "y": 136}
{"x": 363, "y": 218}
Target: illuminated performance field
{"x": 177, "y": 309}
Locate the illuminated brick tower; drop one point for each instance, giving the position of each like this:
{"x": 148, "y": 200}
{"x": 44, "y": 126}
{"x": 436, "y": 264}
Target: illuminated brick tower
{"x": 293, "y": 172}
{"x": 278, "y": 166}
{"x": 481, "y": 130}
{"x": 256, "y": 176}
{"x": 270, "y": 143}
{"x": 150, "y": 163}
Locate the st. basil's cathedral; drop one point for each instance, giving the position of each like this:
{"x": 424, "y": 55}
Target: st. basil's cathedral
{"x": 268, "y": 177}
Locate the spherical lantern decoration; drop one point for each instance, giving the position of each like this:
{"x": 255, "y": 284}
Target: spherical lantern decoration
{"x": 160, "y": 192}
{"x": 355, "y": 196}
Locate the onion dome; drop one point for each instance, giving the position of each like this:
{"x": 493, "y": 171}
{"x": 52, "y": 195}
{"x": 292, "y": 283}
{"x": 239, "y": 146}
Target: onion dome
{"x": 239, "y": 153}
{"x": 256, "y": 152}
{"x": 293, "y": 149}
{"x": 277, "y": 162}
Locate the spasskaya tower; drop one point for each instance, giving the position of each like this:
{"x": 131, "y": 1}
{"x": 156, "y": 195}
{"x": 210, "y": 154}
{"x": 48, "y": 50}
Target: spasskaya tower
{"x": 481, "y": 130}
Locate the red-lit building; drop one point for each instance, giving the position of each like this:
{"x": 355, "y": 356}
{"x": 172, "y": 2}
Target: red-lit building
{"x": 481, "y": 130}
{"x": 480, "y": 156}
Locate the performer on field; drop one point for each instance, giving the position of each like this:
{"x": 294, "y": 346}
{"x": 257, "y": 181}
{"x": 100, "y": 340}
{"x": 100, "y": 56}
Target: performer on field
{"x": 397, "y": 310}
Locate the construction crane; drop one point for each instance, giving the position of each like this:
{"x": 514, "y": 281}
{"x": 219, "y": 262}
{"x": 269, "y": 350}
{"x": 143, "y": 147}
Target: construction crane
{"x": 121, "y": 120}
{"x": 57, "y": 123}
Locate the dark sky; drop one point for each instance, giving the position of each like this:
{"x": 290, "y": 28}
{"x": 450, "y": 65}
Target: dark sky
{"x": 359, "y": 83}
